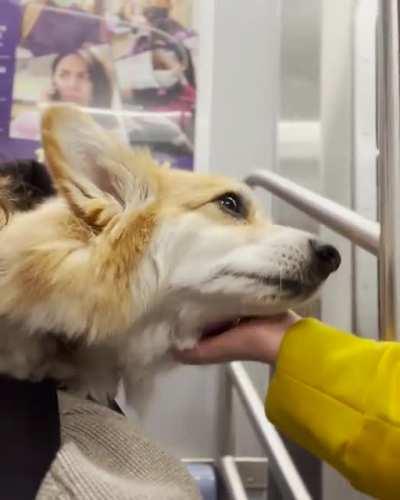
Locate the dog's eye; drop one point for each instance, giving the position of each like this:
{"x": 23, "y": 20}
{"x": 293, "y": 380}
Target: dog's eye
{"x": 233, "y": 204}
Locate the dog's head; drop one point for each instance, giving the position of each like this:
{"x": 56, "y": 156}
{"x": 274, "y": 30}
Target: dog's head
{"x": 190, "y": 249}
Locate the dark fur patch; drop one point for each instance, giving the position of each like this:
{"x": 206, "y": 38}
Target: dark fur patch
{"x": 29, "y": 183}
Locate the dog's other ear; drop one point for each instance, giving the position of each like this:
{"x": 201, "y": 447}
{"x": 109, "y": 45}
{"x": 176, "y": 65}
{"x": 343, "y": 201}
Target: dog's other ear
{"x": 97, "y": 174}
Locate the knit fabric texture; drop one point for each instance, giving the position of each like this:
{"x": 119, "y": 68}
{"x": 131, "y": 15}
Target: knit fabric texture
{"x": 105, "y": 456}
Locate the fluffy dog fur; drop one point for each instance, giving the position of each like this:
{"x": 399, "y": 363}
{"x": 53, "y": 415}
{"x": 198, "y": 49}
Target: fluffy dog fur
{"x": 131, "y": 259}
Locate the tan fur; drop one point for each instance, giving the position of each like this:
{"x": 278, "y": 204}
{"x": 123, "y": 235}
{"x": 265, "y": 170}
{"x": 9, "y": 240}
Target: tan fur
{"x": 87, "y": 268}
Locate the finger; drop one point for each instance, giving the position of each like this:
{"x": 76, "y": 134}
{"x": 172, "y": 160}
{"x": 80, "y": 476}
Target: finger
{"x": 227, "y": 346}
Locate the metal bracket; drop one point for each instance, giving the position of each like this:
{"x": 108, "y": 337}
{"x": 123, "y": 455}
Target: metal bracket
{"x": 253, "y": 470}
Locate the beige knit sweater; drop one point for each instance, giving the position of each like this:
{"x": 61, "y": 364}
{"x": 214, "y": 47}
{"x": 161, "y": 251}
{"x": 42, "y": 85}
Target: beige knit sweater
{"x": 104, "y": 456}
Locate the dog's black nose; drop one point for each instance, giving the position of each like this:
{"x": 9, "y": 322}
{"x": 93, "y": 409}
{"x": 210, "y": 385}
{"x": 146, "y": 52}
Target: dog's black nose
{"x": 326, "y": 257}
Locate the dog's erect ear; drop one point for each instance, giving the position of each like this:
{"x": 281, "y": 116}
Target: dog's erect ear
{"x": 94, "y": 172}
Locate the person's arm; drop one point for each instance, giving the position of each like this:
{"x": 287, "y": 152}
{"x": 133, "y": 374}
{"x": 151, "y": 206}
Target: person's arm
{"x": 333, "y": 393}
{"x": 339, "y": 396}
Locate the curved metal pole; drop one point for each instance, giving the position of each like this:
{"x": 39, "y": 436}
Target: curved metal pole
{"x": 232, "y": 478}
{"x": 359, "y": 230}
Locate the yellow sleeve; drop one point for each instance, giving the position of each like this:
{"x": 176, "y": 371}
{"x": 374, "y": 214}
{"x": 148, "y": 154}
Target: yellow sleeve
{"x": 339, "y": 396}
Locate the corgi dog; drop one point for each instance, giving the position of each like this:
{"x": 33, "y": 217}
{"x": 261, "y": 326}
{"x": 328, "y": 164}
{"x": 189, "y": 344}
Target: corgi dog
{"x": 128, "y": 260}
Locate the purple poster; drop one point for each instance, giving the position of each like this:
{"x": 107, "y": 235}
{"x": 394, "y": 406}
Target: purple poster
{"x": 129, "y": 63}
{"x": 10, "y": 29}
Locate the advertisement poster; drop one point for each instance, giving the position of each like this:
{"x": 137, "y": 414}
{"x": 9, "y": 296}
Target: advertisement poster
{"x": 130, "y": 63}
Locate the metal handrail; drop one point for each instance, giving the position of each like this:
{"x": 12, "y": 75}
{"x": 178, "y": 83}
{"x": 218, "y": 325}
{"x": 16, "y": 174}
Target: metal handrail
{"x": 232, "y": 478}
{"x": 283, "y": 469}
{"x": 380, "y": 240}
{"x": 348, "y": 223}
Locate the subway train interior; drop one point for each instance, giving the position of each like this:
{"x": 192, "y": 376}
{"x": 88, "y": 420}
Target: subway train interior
{"x": 157, "y": 140}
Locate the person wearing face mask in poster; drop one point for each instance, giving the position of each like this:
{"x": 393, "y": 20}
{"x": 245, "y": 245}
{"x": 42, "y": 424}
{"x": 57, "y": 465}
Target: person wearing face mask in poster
{"x": 155, "y": 78}
{"x": 158, "y": 14}
{"x": 154, "y": 81}
{"x": 60, "y": 26}
{"x": 165, "y": 87}
{"x": 158, "y": 66}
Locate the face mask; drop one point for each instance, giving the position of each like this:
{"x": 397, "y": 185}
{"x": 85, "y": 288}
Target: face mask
{"x": 166, "y": 78}
{"x": 137, "y": 72}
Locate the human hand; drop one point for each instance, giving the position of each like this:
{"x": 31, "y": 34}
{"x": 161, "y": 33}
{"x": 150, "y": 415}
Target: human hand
{"x": 253, "y": 340}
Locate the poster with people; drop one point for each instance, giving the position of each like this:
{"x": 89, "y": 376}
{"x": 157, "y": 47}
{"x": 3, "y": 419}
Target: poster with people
{"x": 130, "y": 63}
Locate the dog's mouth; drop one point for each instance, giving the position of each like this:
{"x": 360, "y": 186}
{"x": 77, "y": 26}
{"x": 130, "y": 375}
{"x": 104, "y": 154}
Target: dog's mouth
{"x": 288, "y": 285}
{"x": 286, "y": 288}
{"x": 293, "y": 286}
{"x": 220, "y": 327}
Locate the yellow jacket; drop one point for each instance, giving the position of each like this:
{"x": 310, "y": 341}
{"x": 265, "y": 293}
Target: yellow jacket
{"x": 339, "y": 396}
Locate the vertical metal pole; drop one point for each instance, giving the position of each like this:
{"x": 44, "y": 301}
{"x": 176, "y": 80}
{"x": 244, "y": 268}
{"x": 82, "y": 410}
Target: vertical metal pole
{"x": 389, "y": 169}
{"x": 232, "y": 478}
{"x": 225, "y": 422}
